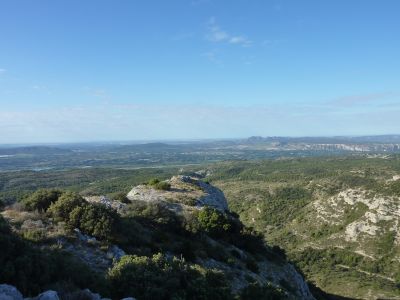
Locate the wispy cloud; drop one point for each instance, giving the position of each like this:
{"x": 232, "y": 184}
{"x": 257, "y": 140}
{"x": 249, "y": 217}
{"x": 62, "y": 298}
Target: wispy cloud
{"x": 98, "y": 93}
{"x": 361, "y": 99}
{"x": 212, "y": 56}
{"x": 216, "y": 34}
{"x": 41, "y": 89}
{"x": 2, "y": 71}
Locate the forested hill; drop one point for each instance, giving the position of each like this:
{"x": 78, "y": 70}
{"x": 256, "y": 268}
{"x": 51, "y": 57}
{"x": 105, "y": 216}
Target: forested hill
{"x": 337, "y": 218}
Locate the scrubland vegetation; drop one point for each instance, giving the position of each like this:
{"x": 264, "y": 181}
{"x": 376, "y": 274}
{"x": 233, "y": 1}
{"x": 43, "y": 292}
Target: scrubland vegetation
{"x": 274, "y": 199}
{"x": 162, "y": 249}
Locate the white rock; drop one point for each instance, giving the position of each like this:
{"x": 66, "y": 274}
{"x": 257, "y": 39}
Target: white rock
{"x": 91, "y": 295}
{"x": 115, "y": 252}
{"x": 9, "y": 292}
{"x": 204, "y": 194}
{"x": 48, "y": 295}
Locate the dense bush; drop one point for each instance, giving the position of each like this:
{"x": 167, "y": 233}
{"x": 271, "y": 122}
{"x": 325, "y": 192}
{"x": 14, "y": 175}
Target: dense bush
{"x": 91, "y": 218}
{"x": 42, "y": 199}
{"x": 160, "y": 278}
{"x": 32, "y": 270}
{"x": 120, "y": 196}
{"x": 94, "y": 219}
{"x": 65, "y": 205}
{"x": 250, "y": 240}
{"x": 153, "y": 181}
{"x": 165, "y": 186}
{"x": 214, "y": 222}
{"x": 159, "y": 185}
{"x": 261, "y": 292}
{"x": 154, "y": 212}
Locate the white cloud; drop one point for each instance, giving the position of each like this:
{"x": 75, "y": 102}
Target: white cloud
{"x": 41, "y": 89}
{"x": 216, "y": 34}
{"x": 212, "y": 56}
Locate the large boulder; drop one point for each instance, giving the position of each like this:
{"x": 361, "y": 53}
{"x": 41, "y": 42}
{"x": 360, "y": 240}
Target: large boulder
{"x": 9, "y": 292}
{"x": 90, "y": 295}
{"x": 184, "y": 191}
{"x": 48, "y": 295}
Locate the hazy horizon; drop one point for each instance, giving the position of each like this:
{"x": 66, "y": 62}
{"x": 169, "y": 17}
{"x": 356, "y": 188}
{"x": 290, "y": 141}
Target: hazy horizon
{"x": 183, "y": 140}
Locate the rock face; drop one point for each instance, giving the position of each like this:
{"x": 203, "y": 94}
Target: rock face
{"x": 184, "y": 191}
{"x": 117, "y": 205}
{"x": 189, "y": 193}
{"x": 48, "y": 295}
{"x": 377, "y": 215}
{"x": 9, "y": 292}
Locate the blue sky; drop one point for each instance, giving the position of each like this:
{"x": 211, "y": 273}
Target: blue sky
{"x": 96, "y": 70}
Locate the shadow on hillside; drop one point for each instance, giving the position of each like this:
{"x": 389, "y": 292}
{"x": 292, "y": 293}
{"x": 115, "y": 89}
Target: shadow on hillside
{"x": 321, "y": 295}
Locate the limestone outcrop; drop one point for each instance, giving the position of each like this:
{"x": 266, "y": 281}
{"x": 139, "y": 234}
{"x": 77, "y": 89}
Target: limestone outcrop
{"x": 184, "y": 191}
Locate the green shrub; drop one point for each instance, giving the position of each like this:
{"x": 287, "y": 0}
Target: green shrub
{"x": 42, "y": 199}
{"x": 213, "y": 222}
{"x": 34, "y": 235}
{"x": 261, "y": 292}
{"x": 120, "y": 196}
{"x": 155, "y": 213}
{"x": 153, "y": 181}
{"x": 94, "y": 219}
{"x": 165, "y": 186}
{"x": 159, "y": 185}
{"x": 160, "y": 278}
{"x": 33, "y": 270}
{"x": 65, "y": 205}
{"x": 250, "y": 240}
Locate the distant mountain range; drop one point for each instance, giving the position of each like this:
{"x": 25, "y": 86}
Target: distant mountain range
{"x": 328, "y": 140}
{"x": 384, "y": 143}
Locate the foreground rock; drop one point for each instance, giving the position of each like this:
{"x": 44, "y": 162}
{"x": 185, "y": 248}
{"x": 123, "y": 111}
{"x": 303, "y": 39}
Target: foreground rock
{"x": 9, "y": 292}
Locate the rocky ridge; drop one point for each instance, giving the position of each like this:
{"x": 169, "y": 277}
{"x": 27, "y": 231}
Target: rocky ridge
{"x": 185, "y": 192}
{"x": 189, "y": 193}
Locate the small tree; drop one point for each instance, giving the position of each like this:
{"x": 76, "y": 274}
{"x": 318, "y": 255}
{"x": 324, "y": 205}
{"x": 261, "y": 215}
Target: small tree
{"x": 94, "y": 219}
{"x": 65, "y": 205}
{"x": 257, "y": 291}
{"x": 42, "y": 199}
{"x": 159, "y": 185}
{"x": 159, "y": 278}
{"x": 213, "y": 221}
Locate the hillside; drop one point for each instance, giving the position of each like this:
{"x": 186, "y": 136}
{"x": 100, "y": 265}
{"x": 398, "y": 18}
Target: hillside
{"x": 338, "y": 219}
{"x": 180, "y": 229}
